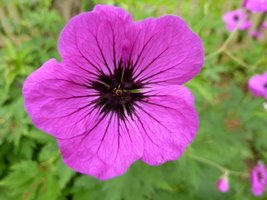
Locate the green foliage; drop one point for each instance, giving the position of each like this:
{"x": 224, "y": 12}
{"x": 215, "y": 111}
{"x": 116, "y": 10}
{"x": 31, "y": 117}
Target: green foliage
{"x": 30, "y": 181}
{"x": 232, "y": 129}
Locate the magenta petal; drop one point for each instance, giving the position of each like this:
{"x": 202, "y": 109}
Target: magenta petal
{"x": 57, "y": 100}
{"x": 105, "y": 151}
{"x": 223, "y": 184}
{"x": 168, "y": 122}
{"x": 165, "y": 51}
{"x": 256, "y": 5}
{"x": 164, "y": 46}
{"x": 258, "y": 179}
{"x": 257, "y": 85}
{"x": 95, "y": 39}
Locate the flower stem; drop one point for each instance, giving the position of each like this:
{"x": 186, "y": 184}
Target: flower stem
{"x": 208, "y": 162}
{"x": 223, "y": 47}
{"x": 216, "y": 165}
{"x": 215, "y": 53}
{"x": 229, "y": 39}
{"x": 103, "y": 84}
{"x": 261, "y": 21}
{"x": 234, "y": 58}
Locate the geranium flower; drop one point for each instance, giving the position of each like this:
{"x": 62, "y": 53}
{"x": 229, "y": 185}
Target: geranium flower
{"x": 236, "y": 19}
{"x": 117, "y": 97}
{"x": 258, "y": 85}
{"x": 223, "y": 184}
{"x": 256, "y": 5}
{"x": 258, "y": 179}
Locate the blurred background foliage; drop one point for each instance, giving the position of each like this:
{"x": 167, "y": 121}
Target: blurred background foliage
{"x": 232, "y": 130}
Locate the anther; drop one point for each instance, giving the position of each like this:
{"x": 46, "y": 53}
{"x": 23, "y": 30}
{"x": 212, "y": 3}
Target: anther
{"x": 117, "y": 92}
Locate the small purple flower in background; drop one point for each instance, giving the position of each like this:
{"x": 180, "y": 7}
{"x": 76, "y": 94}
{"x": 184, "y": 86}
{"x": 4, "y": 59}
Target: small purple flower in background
{"x": 258, "y": 179}
{"x": 255, "y": 5}
{"x": 117, "y": 95}
{"x": 258, "y": 85}
{"x": 236, "y": 19}
{"x": 223, "y": 183}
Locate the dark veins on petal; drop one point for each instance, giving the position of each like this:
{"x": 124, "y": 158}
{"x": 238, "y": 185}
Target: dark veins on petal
{"x": 118, "y": 91}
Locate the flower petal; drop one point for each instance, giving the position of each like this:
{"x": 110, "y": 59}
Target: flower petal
{"x": 164, "y": 51}
{"x": 105, "y": 151}
{"x": 256, "y": 84}
{"x": 57, "y": 101}
{"x": 94, "y": 40}
{"x": 168, "y": 122}
{"x": 258, "y": 179}
{"x": 157, "y": 48}
{"x": 256, "y": 5}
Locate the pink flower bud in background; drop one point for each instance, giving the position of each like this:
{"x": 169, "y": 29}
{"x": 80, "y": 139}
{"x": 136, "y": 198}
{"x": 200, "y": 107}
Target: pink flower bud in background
{"x": 223, "y": 184}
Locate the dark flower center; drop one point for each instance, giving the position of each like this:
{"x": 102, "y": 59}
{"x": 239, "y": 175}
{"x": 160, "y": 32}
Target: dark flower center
{"x": 260, "y": 176}
{"x": 118, "y": 91}
{"x": 265, "y": 85}
{"x": 236, "y": 17}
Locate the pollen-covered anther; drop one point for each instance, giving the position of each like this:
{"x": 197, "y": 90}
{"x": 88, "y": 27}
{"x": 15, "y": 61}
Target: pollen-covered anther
{"x": 117, "y": 92}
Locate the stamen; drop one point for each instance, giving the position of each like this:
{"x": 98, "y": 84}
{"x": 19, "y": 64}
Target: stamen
{"x": 103, "y": 84}
{"x": 132, "y": 91}
{"x": 122, "y": 74}
{"x": 236, "y": 18}
{"x": 120, "y": 93}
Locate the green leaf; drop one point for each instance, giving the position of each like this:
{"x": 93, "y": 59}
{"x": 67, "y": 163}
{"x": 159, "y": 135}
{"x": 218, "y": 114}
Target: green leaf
{"x": 30, "y": 181}
{"x": 140, "y": 181}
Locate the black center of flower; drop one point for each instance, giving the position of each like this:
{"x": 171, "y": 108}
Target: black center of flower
{"x": 118, "y": 91}
{"x": 265, "y": 85}
{"x": 236, "y": 17}
{"x": 260, "y": 176}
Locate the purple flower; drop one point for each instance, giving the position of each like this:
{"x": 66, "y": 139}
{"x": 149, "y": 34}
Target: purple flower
{"x": 223, "y": 184}
{"x": 255, "y": 5}
{"x": 258, "y": 85}
{"x": 258, "y": 179}
{"x": 236, "y": 19}
{"x": 117, "y": 97}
